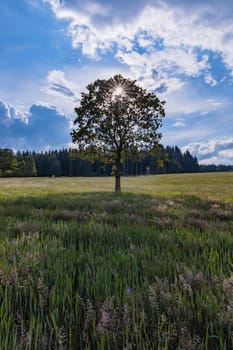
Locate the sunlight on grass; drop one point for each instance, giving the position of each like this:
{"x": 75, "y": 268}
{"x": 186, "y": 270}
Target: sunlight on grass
{"x": 218, "y": 186}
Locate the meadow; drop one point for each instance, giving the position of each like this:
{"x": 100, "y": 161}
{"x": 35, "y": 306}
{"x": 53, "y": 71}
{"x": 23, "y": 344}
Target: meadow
{"x": 84, "y": 268}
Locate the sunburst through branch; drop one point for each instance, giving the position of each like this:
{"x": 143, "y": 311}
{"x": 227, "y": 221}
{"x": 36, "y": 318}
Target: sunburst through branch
{"x": 118, "y": 92}
{"x": 117, "y": 88}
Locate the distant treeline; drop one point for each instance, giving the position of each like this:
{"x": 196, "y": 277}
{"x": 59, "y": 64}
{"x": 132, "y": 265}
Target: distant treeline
{"x": 213, "y": 168}
{"x": 63, "y": 163}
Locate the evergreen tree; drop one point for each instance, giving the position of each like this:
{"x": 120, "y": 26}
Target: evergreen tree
{"x": 8, "y": 162}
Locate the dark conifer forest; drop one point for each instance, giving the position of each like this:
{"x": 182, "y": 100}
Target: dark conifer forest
{"x": 65, "y": 163}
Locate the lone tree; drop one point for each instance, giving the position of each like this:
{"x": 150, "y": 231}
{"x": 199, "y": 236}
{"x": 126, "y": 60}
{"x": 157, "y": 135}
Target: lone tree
{"x": 116, "y": 115}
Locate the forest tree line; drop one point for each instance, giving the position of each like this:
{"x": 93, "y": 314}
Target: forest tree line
{"x": 63, "y": 163}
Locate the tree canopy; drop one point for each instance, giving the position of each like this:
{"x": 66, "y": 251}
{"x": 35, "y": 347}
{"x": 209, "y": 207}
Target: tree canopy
{"x": 116, "y": 115}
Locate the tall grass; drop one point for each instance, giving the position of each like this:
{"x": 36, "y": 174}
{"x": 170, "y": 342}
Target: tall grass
{"x": 94, "y": 270}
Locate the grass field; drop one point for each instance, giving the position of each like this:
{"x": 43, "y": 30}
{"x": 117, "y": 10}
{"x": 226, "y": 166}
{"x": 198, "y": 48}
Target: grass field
{"x": 216, "y": 186}
{"x": 84, "y": 268}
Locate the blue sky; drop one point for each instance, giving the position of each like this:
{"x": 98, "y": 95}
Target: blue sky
{"x": 182, "y": 50}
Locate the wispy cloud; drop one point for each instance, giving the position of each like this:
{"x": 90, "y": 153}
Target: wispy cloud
{"x": 210, "y": 80}
{"x": 179, "y": 123}
{"x": 187, "y": 101}
{"x": 59, "y": 85}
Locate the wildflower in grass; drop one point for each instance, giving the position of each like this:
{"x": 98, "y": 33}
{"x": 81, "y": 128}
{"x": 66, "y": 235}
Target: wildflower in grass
{"x": 107, "y": 321}
{"x": 89, "y": 314}
{"x": 126, "y": 315}
{"x": 22, "y": 331}
{"x": 63, "y": 338}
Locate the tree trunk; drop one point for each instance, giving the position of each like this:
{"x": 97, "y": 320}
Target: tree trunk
{"x": 118, "y": 182}
{"x": 118, "y": 173}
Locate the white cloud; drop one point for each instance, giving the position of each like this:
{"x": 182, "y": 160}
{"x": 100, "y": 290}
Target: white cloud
{"x": 8, "y": 113}
{"x": 210, "y": 80}
{"x": 187, "y": 101}
{"x": 95, "y": 9}
{"x": 227, "y": 154}
{"x": 169, "y": 36}
{"x": 54, "y": 3}
{"x": 182, "y": 136}
{"x": 59, "y": 85}
{"x": 169, "y": 62}
{"x": 179, "y": 123}
{"x": 210, "y": 161}
{"x": 213, "y": 151}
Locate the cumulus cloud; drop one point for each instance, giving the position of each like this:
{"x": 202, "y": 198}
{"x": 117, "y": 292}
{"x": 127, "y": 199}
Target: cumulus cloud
{"x": 173, "y": 36}
{"x": 212, "y": 151}
{"x": 46, "y": 127}
{"x": 8, "y": 113}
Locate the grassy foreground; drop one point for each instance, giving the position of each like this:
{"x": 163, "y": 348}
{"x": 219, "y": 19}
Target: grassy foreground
{"x": 84, "y": 268}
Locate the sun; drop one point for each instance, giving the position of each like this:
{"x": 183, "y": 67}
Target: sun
{"x": 118, "y": 92}
{"x": 118, "y": 89}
